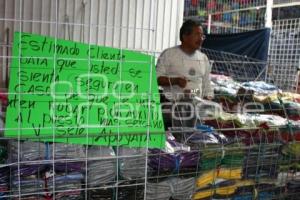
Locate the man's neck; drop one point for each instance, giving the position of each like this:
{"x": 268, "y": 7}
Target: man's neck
{"x": 187, "y": 49}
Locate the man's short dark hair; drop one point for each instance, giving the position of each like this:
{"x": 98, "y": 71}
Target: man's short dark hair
{"x": 187, "y": 28}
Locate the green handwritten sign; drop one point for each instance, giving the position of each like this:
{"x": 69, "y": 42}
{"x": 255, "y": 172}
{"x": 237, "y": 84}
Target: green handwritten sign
{"x": 64, "y": 91}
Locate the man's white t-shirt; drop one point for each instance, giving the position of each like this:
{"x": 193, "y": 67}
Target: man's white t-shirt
{"x": 195, "y": 68}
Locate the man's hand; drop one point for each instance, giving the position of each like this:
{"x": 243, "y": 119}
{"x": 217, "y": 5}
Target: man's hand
{"x": 208, "y": 98}
{"x": 167, "y": 81}
{"x": 181, "y": 82}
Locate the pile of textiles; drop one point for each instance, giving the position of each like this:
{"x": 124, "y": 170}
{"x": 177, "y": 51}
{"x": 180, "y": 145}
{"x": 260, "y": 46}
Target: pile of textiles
{"x": 290, "y": 132}
{"x": 290, "y": 159}
{"x": 29, "y": 151}
{"x": 66, "y": 185}
{"x": 132, "y": 163}
{"x": 293, "y": 188}
{"x": 125, "y": 191}
{"x": 284, "y": 96}
{"x": 225, "y": 88}
{"x": 249, "y": 91}
{"x": 254, "y": 120}
{"x": 176, "y": 188}
{"x": 216, "y": 149}
{"x": 35, "y": 178}
{"x": 285, "y": 108}
{"x": 284, "y": 177}
{"x": 219, "y": 183}
{"x": 253, "y": 126}
{"x": 290, "y": 182}
{"x": 4, "y": 180}
{"x": 262, "y": 161}
{"x": 234, "y": 154}
{"x": 130, "y": 190}
{"x": 259, "y": 191}
{"x": 101, "y": 167}
{"x": 260, "y": 88}
{"x": 101, "y": 194}
{"x": 3, "y": 154}
{"x": 38, "y": 178}
{"x": 230, "y": 93}
{"x": 28, "y": 181}
{"x": 245, "y": 120}
{"x": 210, "y": 145}
{"x": 176, "y": 157}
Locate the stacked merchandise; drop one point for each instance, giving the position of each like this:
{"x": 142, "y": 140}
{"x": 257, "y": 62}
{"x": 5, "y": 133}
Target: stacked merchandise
{"x": 103, "y": 194}
{"x": 219, "y": 183}
{"x": 4, "y": 172}
{"x": 47, "y": 168}
{"x": 101, "y": 167}
{"x": 64, "y": 185}
{"x": 132, "y": 163}
{"x": 234, "y": 154}
{"x": 68, "y": 173}
{"x": 129, "y": 190}
{"x": 293, "y": 188}
{"x": 175, "y": 188}
{"x": 4, "y": 180}
{"x": 261, "y": 133}
{"x": 260, "y": 191}
{"x": 230, "y": 93}
{"x": 124, "y": 191}
{"x": 43, "y": 152}
{"x": 173, "y": 170}
{"x": 3, "y": 154}
{"x": 101, "y": 172}
{"x": 27, "y": 181}
{"x": 221, "y": 172}
{"x": 262, "y": 165}
{"x": 290, "y": 183}
{"x": 290, "y": 132}
{"x": 256, "y": 105}
{"x": 289, "y": 167}
{"x": 290, "y": 159}
{"x": 175, "y": 158}
{"x": 262, "y": 161}
{"x": 274, "y": 100}
{"x": 132, "y": 169}
{"x": 225, "y": 89}
{"x": 210, "y": 145}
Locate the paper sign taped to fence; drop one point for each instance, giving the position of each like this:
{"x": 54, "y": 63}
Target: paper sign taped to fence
{"x": 65, "y": 91}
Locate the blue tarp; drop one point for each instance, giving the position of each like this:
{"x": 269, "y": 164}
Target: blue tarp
{"x": 253, "y": 44}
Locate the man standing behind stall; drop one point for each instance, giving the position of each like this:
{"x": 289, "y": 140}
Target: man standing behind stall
{"x": 183, "y": 71}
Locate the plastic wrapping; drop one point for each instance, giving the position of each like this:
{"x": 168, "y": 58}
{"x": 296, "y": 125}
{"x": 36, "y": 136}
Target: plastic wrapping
{"x": 132, "y": 162}
{"x": 176, "y": 188}
{"x": 101, "y": 168}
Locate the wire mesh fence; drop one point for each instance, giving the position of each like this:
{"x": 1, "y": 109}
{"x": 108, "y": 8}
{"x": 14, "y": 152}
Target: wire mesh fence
{"x": 230, "y": 16}
{"x": 284, "y": 54}
{"x": 227, "y": 16}
{"x": 244, "y": 143}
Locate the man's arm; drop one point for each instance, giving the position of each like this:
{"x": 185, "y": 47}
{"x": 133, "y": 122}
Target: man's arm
{"x": 208, "y": 91}
{"x": 167, "y": 81}
{"x": 161, "y": 70}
